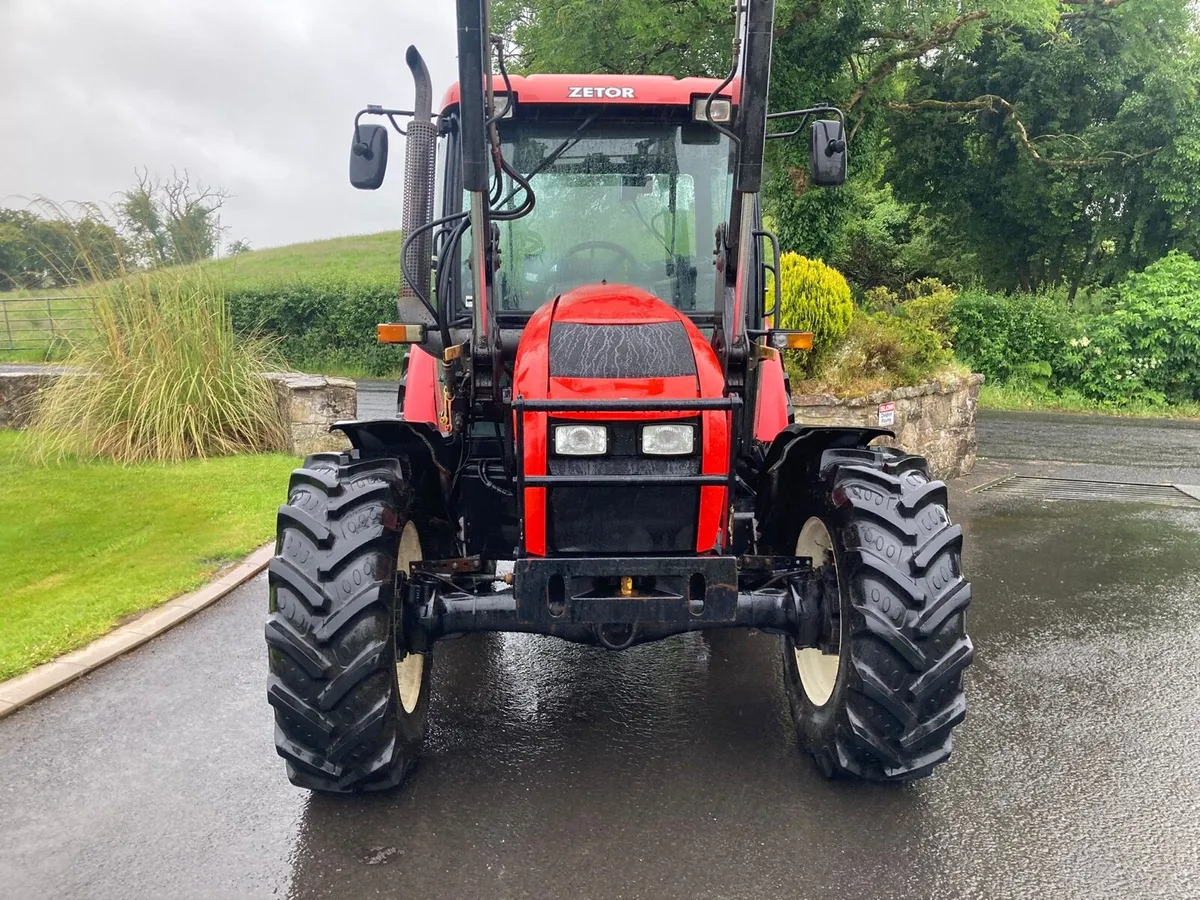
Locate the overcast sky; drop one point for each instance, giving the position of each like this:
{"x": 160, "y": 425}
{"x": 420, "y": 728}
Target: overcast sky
{"x": 256, "y": 96}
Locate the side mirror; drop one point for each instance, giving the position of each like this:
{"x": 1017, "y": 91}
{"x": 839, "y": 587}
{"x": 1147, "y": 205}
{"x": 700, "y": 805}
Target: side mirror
{"x": 368, "y": 156}
{"x": 827, "y": 154}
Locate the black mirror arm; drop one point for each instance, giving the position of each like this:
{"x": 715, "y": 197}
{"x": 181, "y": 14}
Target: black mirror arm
{"x": 372, "y": 109}
{"x": 804, "y": 115}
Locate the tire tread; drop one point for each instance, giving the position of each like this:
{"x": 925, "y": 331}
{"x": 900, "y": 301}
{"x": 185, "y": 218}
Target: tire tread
{"x": 338, "y": 721}
{"x": 899, "y": 560}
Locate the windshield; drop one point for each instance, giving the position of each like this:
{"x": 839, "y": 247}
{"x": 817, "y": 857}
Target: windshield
{"x": 630, "y": 203}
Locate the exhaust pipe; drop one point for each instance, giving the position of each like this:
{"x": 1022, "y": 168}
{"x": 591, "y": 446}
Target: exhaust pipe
{"x": 419, "y": 174}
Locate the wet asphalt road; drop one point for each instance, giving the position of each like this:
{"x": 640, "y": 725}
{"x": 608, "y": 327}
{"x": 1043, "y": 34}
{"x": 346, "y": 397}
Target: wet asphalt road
{"x": 670, "y": 771}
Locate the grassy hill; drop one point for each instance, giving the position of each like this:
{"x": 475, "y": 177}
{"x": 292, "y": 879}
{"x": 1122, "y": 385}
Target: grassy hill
{"x": 322, "y": 299}
{"x": 370, "y": 255}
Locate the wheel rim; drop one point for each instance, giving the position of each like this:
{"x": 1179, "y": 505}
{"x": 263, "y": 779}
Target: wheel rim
{"x": 410, "y": 669}
{"x": 818, "y": 671}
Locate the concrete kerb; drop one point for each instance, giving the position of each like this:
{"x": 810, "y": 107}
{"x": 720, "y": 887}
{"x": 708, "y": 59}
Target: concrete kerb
{"x": 24, "y": 689}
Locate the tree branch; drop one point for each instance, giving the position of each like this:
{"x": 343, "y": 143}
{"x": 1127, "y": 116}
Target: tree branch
{"x": 940, "y": 35}
{"x": 994, "y": 103}
{"x": 801, "y": 16}
{"x": 1093, "y": 7}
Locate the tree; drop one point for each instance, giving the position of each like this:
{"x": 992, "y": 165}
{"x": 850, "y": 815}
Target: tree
{"x": 52, "y": 247}
{"x": 14, "y": 248}
{"x": 238, "y": 246}
{"x": 1070, "y": 155}
{"x": 616, "y": 36}
{"x": 852, "y": 53}
{"x": 1024, "y": 141}
{"x": 173, "y": 221}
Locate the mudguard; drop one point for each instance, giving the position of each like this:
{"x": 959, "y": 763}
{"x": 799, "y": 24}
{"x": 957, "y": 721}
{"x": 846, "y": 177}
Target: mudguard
{"x": 794, "y": 459}
{"x": 421, "y": 387}
{"x": 427, "y": 460}
{"x": 771, "y": 410}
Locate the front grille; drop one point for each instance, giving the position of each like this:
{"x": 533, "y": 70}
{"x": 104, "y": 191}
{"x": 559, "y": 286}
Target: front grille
{"x": 607, "y": 519}
{"x": 604, "y": 520}
{"x": 651, "y": 350}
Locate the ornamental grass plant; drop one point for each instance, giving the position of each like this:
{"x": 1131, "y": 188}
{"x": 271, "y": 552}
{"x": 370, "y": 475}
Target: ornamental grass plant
{"x": 163, "y": 377}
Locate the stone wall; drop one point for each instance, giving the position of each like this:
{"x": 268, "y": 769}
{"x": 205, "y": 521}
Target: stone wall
{"x": 19, "y": 387}
{"x": 309, "y": 404}
{"x": 935, "y": 420}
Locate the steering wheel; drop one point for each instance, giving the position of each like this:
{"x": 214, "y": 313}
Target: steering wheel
{"x": 569, "y": 273}
{"x": 593, "y": 246}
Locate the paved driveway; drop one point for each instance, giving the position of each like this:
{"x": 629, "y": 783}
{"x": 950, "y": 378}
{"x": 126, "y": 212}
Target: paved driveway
{"x": 555, "y": 771}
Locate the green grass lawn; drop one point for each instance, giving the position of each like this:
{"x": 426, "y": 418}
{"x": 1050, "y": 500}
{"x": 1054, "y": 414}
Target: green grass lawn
{"x": 83, "y": 546}
{"x": 1010, "y": 397}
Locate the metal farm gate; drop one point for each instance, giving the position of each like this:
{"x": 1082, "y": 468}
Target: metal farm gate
{"x": 31, "y": 323}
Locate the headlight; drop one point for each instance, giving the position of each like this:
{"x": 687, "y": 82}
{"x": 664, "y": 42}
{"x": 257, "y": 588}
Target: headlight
{"x": 580, "y": 440}
{"x": 668, "y": 440}
{"x": 721, "y": 110}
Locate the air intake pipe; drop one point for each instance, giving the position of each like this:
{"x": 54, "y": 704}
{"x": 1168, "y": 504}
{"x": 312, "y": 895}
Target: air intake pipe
{"x": 419, "y": 161}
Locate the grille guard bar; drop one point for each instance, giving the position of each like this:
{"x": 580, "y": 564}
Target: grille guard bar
{"x": 521, "y": 406}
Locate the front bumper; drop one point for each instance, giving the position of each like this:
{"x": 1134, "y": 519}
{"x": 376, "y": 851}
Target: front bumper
{"x": 617, "y": 602}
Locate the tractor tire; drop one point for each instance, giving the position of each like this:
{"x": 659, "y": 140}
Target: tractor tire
{"x": 350, "y": 706}
{"x": 883, "y": 705}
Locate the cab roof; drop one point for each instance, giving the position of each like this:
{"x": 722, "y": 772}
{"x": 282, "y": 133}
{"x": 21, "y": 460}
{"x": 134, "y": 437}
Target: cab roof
{"x": 633, "y": 90}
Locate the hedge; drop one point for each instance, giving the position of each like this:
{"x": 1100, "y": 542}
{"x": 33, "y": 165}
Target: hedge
{"x": 322, "y": 325}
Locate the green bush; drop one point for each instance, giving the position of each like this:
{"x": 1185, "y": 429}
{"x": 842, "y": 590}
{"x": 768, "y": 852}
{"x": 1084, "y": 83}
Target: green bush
{"x": 322, "y": 325}
{"x": 927, "y": 302}
{"x": 1102, "y": 365}
{"x": 1008, "y": 337}
{"x": 1138, "y": 344}
{"x": 884, "y": 350}
{"x": 1158, "y": 314}
{"x": 816, "y": 298}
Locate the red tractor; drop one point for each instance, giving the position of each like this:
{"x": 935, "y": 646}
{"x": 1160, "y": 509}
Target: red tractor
{"x": 594, "y": 398}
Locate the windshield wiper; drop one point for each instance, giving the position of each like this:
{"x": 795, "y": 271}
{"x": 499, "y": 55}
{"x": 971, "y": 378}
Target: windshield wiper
{"x": 562, "y": 148}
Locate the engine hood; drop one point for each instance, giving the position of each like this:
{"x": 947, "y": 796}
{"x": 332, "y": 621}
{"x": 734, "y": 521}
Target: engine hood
{"x": 614, "y": 341}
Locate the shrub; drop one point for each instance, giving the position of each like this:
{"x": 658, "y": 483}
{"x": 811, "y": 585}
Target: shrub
{"x": 168, "y": 380}
{"x": 322, "y": 324}
{"x": 928, "y": 302}
{"x": 1138, "y": 345}
{"x": 1103, "y": 366}
{"x": 1006, "y": 336}
{"x": 816, "y": 298}
{"x": 1158, "y": 313}
{"x": 883, "y": 350}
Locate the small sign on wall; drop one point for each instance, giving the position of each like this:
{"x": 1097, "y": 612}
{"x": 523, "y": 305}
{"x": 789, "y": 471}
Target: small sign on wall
{"x": 887, "y": 413}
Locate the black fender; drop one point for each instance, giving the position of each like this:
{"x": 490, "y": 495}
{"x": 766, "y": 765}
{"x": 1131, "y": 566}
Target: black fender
{"x": 792, "y": 460}
{"x": 428, "y": 461}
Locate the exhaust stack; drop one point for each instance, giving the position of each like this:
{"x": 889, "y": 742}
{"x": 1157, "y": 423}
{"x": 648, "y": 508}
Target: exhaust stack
{"x": 419, "y": 162}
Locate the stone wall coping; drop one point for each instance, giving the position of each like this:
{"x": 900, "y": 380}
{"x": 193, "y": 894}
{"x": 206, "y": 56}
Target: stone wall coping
{"x": 945, "y": 385}
{"x": 298, "y": 381}
{"x": 19, "y": 370}
{"x": 301, "y": 381}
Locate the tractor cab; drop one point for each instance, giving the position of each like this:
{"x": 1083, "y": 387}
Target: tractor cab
{"x": 631, "y": 180}
{"x": 607, "y": 198}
